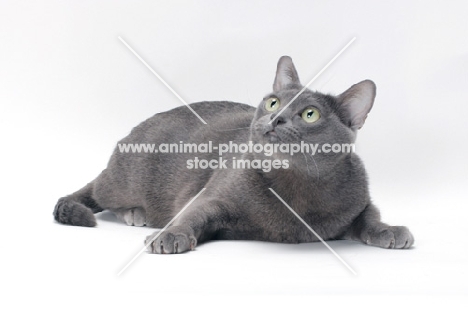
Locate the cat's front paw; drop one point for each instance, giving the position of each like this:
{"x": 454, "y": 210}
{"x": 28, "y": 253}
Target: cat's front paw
{"x": 174, "y": 240}
{"x": 390, "y": 237}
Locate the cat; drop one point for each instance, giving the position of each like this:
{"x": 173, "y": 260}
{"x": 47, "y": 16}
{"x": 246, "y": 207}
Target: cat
{"x": 329, "y": 191}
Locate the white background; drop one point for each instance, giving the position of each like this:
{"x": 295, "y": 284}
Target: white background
{"x": 69, "y": 90}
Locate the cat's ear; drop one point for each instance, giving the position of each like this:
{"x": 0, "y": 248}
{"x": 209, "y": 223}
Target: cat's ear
{"x": 357, "y": 101}
{"x": 285, "y": 74}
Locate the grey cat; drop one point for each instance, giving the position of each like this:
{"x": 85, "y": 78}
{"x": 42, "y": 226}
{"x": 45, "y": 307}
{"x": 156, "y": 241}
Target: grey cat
{"x": 328, "y": 190}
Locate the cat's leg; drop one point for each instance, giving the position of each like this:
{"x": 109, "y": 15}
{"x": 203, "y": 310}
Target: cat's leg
{"x": 199, "y": 223}
{"x": 78, "y": 209}
{"x": 369, "y": 229}
{"x": 132, "y": 217}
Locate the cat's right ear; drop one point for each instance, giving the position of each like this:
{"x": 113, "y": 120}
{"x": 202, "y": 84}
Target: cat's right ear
{"x": 285, "y": 74}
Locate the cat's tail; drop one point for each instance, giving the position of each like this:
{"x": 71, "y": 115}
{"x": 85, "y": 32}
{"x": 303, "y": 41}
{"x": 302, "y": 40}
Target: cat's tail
{"x": 77, "y": 209}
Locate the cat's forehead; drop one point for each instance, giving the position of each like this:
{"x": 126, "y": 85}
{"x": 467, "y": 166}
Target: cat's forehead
{"x": 306, "y": 98}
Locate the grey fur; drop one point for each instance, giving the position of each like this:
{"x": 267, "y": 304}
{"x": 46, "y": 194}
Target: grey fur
{"x": 329, "y": 191}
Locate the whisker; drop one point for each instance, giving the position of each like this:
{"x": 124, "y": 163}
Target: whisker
{"x": 239, "y": 128}
{"x": 307, "y": 162}
{"x": 315, "y": 163}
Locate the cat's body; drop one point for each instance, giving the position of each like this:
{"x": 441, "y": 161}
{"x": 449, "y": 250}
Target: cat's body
{"x": 328, "y": 191}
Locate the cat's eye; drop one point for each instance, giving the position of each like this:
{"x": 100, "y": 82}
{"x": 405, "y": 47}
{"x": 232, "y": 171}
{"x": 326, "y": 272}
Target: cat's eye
{"x": 310, "y": 115}
{"x": 272, "y": 104}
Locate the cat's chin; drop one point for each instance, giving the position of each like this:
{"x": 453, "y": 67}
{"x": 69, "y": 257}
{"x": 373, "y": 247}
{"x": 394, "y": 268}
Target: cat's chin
{"x": 273, "y": 139}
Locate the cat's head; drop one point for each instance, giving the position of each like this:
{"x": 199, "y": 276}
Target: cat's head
{"x": 312, "y": 117}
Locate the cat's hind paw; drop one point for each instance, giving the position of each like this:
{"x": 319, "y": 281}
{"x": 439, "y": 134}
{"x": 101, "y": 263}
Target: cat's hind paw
{"x": 132, "y": 217}
{"x": 394, "y": 237}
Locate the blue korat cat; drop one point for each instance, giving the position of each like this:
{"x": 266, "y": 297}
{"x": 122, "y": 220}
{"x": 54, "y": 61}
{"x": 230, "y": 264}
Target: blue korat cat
{"x": 328, "y": 190}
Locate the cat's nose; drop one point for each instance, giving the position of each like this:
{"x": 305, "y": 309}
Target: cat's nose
{"x": 279, "y": 120}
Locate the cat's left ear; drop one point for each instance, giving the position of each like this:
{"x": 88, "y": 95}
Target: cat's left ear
{"x": 357, "y": 101}
{"x": 285, "y": 74}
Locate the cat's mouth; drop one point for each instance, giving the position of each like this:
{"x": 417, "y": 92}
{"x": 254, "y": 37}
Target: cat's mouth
{"x": 272, "y": 136}
{"x": 270, "y": 133}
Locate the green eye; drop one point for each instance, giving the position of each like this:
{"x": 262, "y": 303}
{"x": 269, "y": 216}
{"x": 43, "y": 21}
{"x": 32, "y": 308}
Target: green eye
{"x": 310, "y": 115}
{"x": 272, "y": 104}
